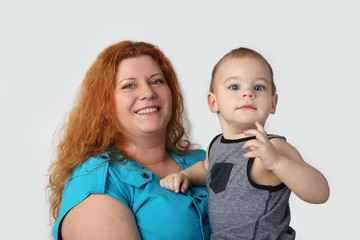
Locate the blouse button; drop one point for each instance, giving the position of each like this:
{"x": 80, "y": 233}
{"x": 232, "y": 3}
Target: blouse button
{"x": 202, "y": 195}
{"x": 145, "y": 175}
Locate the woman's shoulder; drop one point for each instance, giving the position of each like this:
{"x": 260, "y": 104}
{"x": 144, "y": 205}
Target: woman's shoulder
{"x": 86, "y": 179}
{"x": 100, "y": 165}
{"x": 190, "y": 158}
{"x": 91, "y": 177}
{"x": 196, "y": 155}
{"x": 92, "y": 166}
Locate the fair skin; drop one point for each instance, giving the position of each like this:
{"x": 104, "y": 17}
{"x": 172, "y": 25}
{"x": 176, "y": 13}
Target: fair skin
{"x": 142, "y": 101}
{"x": 243, "y": 100}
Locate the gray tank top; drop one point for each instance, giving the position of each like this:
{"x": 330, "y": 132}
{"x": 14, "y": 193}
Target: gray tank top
{"x": 238, "y": 207}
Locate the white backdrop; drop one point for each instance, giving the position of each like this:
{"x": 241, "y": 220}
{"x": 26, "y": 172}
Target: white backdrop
{"x": 313, "y": 46}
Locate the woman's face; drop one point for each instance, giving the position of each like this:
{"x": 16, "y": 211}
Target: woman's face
{"x": 142, "y": 98}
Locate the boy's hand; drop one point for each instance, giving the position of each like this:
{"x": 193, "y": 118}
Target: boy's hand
{"x": 174, "y": 182}
{"x": 261, "y": 147}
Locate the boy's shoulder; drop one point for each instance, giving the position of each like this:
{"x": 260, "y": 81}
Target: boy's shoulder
{"x": 272, "y": 136}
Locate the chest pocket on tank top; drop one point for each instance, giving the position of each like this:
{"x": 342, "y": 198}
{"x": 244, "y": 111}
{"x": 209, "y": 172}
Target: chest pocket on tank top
{"x": 219, "y": 176}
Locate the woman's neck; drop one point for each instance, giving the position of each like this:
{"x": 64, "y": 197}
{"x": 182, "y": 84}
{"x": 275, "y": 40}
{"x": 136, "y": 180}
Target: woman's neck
{"x": 152, "y": 154}
{"x": 147, "y": 150}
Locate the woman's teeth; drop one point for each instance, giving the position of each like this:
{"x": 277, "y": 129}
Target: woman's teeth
{"x": 146, "y": 110}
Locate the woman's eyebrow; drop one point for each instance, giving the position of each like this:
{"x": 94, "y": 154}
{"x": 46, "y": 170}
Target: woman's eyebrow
{"x": 156, "y": 74}
{"x": 125, "y": 79}
{"x": 133, "y": 78}
{"x": 130, "y": 78}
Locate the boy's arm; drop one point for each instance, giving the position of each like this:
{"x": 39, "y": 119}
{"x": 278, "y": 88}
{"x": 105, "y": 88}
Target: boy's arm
{"x": 305, "y": 181}
{"x": 197, "y": 173}
{"x": 194, "y": 176}
{"x": 286, "y": 163}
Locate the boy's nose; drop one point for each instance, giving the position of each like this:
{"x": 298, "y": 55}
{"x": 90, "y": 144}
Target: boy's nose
{"x": 248, "y": 93}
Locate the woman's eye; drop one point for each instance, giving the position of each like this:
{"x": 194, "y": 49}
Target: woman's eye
{"x": 159, "y": 81}
{"x": 128, "y": 86}
{"x": 259, "y": 88}
{"x": 234, "y": 87}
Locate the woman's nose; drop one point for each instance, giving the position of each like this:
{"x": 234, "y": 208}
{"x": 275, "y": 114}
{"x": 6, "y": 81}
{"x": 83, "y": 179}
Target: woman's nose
{"x": 146, "y": 92}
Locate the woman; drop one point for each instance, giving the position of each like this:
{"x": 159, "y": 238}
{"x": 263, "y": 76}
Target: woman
{"x": 123, "y": 135}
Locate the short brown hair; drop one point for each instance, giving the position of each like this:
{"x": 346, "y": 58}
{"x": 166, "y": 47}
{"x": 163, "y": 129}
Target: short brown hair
{"x": 241, "y": 53}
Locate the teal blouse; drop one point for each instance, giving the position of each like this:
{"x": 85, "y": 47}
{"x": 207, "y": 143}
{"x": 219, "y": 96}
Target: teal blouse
{"x": 159, "y": 213}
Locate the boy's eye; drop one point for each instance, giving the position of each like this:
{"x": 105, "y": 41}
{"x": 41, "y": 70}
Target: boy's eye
{"x": 259, "y": 88}
{"x": 234, "y": 87}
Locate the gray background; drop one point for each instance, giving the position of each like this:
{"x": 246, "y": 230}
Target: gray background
{"x": 46, "y": 48}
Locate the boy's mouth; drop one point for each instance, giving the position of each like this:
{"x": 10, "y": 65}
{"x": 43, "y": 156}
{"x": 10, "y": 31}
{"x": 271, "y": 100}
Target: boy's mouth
{"x": 248, "y": 106}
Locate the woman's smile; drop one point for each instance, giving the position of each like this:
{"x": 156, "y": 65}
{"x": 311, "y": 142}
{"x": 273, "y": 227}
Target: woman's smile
{"x": 142, "y": 97}
{"x": 148, "y": 110}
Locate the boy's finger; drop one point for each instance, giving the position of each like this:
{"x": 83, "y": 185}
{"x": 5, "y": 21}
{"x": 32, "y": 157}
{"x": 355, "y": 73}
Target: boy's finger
{"x": 164, "y": 185}
{"x": 252, "y": 154}
{"x": 257, "y": 133}
{"x": 184, "y": 186}
{"x": 252, "y": 143}
{"x": 177, "y": 183}
{"x": 260, "y": 127}
{"x": 161, "y": 183}
{"x": 251, "y": 132}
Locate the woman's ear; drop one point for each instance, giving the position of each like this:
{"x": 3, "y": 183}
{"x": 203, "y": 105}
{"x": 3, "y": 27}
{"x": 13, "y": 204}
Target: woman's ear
{"x": 211, "y": 98}
{"x": 274, "y": 101}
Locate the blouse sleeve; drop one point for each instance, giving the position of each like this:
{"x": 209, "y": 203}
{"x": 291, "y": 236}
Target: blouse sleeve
{"x": 92, "y": 177}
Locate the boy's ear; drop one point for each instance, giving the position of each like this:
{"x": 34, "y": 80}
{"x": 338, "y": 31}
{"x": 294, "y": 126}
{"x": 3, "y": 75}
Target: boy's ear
{"x": 274, "y": 101}
{"x": 211, "y": 98}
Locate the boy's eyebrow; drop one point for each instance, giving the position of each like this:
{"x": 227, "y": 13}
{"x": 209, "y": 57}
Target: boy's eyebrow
{"x": 232, "y": 78}
{"x": 238, "y": 78}
{"x": 264, "y": 79}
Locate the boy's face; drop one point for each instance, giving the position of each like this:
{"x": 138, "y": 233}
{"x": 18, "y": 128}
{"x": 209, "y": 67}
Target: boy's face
{"x": 242, "y": 94}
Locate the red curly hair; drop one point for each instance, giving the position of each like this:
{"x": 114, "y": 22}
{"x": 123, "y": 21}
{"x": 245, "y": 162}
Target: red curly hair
{"x": 91, "y": 127}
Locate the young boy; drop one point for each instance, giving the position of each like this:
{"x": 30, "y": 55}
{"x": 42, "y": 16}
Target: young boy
{"x": 249, "y": 174}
